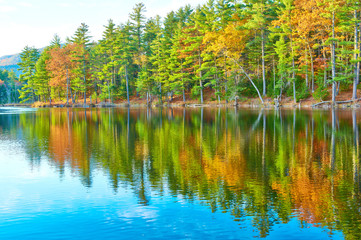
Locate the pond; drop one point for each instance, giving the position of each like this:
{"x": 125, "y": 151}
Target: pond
{"x": 179, "y": 174}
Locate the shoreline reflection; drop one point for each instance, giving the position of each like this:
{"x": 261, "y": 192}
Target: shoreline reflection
{"x": 270, "y": 165}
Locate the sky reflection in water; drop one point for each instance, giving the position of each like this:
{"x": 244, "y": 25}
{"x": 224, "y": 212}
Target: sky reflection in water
{"x": 176, "y": 173}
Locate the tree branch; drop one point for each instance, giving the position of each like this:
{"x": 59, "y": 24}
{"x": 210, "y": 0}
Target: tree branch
{"x": 254, "y": 85}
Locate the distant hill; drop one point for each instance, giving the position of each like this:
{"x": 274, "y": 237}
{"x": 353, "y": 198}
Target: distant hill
{"x": 10, "y": 62}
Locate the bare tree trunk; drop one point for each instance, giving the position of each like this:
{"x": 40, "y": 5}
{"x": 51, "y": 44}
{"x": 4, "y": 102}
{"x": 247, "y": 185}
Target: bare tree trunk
{"x": 184, "y": 95}
{"x": 217, "y": 81}
{"x": 109, "y": 95}
{"x": 333, "y": 60}
{"x": 357, "y": 64}
{"x": 281, "y": 90}
{"x": 84, "y": 82}
{"x": 161, "y": 94}
{"x": 337, "y": 88}
{"x": 293, "y": 72}
{"x": 312, "y": 70}
{"x": 127, "y": 83}
{"x": 254, "y": 85}
{"x": 67, "y": 85}
{"x": 263, "y": 65}
{"x": 225, "y": 78}
{"x": 113, "y": 82}
{"x": 306, "y": 59}
{"x": 49, "y": 92}
{"x": 324, "y": 70}
{"x": 274, "y": 77}
{"x": 200, "y": 77}
{"x": 183, "y": 85}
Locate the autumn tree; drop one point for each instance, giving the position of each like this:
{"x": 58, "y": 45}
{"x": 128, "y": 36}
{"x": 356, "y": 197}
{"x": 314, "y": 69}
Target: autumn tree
{"x": 63, "y": 65}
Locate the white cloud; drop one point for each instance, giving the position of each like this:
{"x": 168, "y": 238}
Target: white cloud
{"x": 20, "y": 35}
{"x": 139, "y": 212}
{"x": 25, "y": 4}
{"x": 64, "y": 4}
{"x": 6, "y": 9}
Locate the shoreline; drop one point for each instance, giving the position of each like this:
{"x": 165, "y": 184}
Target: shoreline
{"x": 267, "y": 105}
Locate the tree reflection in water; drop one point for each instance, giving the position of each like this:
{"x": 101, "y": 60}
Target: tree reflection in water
{"x": 272, "y": 165}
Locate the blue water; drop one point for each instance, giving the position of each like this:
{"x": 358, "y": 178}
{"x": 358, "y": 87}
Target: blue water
{"x": 37, "y": 204}
{"x": 39, "y": 200}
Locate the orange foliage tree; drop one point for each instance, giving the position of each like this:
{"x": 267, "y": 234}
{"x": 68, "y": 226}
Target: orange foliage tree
{"x": 62, "y": 65}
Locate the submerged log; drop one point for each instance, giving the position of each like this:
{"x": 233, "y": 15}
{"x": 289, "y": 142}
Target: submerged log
{"x": 337, "y": 102}
{"x": 320, "y": 103}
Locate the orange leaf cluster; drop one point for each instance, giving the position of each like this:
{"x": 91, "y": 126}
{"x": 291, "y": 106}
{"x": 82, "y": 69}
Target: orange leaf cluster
{"x": 62, "y": 63}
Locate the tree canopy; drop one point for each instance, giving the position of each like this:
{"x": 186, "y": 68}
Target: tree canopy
{"x": 258, "y": 48}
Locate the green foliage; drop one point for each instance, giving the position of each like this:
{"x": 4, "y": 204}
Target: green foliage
{"x": 272, "y": 91}
{"x": 42, "y": 77}
{"x": 221, "y": 45}
{"x": 8, "y": 87}
{"x": 82, "y": 38}
{"x": 29, "y": 57}
{"x": 302, "y": 92}
{"x": 321, "y": 92}
{"x": 196, "y": 92}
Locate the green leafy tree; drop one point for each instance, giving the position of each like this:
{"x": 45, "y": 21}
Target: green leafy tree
{"x": 109, "y": 59}
{"x": 8, "y": 87}
{"x": 82, "y": 38}
{"x": 127, "y": 50}
{"x": 42, "y": 77}
{"x": 29, "y": 56}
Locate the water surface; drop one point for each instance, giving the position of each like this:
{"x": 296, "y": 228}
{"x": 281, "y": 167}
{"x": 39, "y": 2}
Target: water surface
{"x": 179, "y": 174}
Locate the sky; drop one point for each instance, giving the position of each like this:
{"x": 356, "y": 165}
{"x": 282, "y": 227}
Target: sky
{"x": 34, "y": 22}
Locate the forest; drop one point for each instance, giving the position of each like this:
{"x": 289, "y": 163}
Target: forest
{"x": 221, "y": 51}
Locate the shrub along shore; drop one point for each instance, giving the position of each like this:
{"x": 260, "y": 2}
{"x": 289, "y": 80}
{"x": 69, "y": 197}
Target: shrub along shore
{"x": 341, "y": 102}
